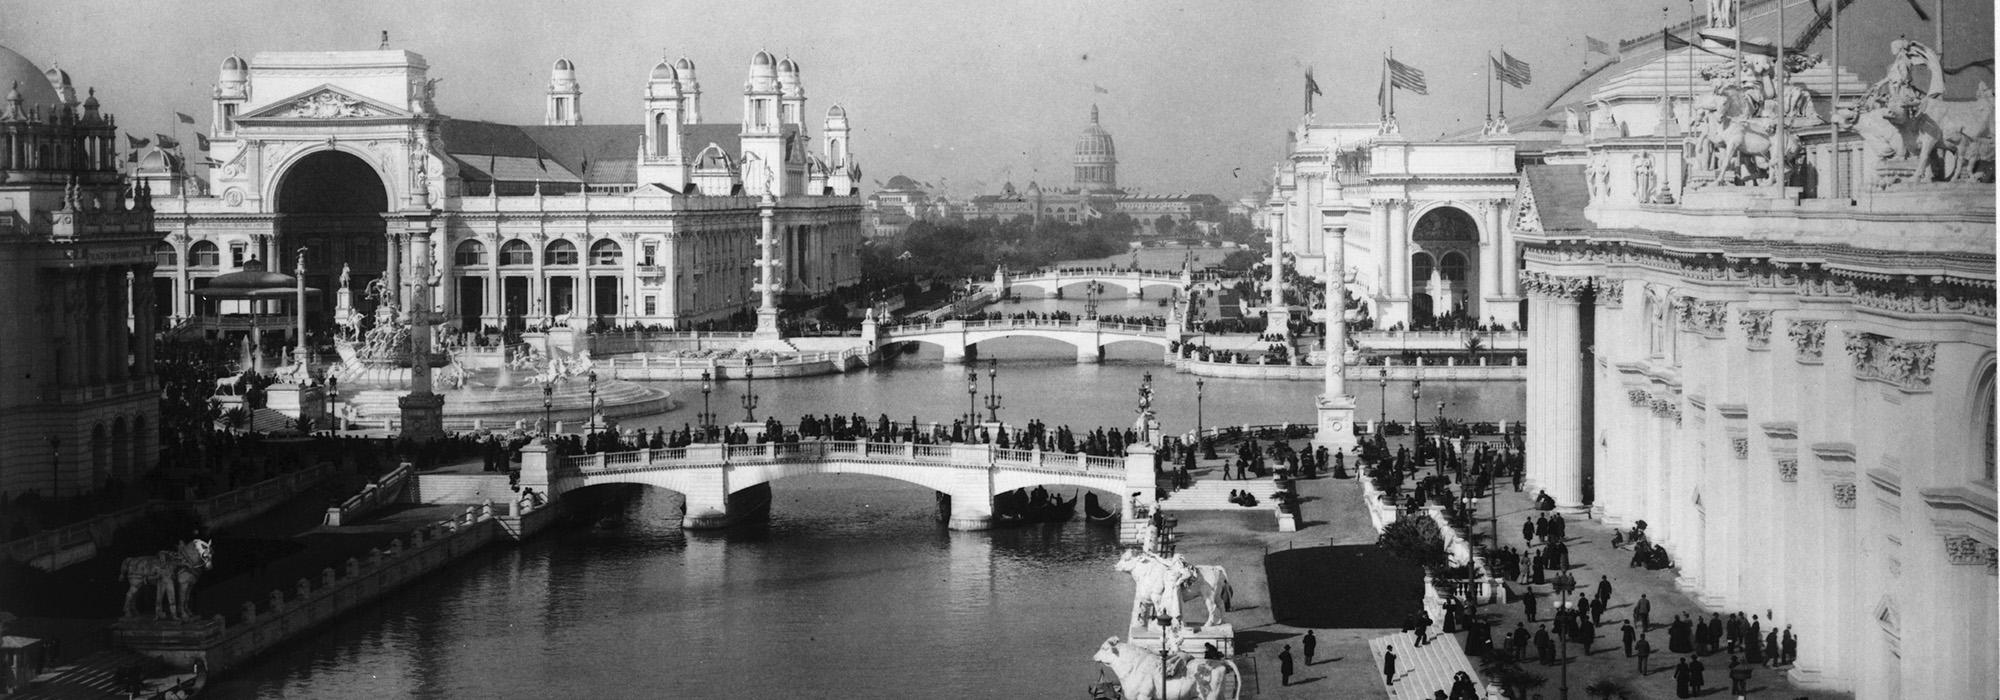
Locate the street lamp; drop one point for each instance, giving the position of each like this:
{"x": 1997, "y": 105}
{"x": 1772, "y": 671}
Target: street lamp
{"x": 1383, "y": 378}
{"x": 548, "y": 404}
{"x": 971, "y": 401}
{"x": 1198, "y": 383}
{"x": 749, "y": 393}
{"x": 993, "y": 388}
{"x": 592, "y": 426}
{"x": 707, "y": 418}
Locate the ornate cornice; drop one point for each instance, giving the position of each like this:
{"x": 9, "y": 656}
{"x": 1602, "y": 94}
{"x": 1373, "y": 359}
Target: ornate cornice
{"x": 1666, "y": 408}
{"x": 1741, "y": 445}
{"x": 1554, "y": 286}
{"x": 1708, "y": 318}
{"x": 1756, "y": 325}
{"x": 1610, "y": 291}
{"x": 1809, "y": 337}
{"x": 1638, "y": 397}
{"x": 1905, "y": 364}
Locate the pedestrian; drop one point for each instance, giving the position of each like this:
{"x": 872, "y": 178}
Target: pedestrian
{"x": 1518, "y": 641}
{"x": 1772, "y": 654}
{"x": 1790, "y": 646}
{"x": 1542, "y": 527}
{"x": 1462, "y": 688}
{"x": 1645, "y": 649}
{"x": 1695, "y": 679}
{"x": 1528, "y": 531}
{"x": 1739, "y": 678}
{"x": 1625, "y": 633}
{"x": 1311, "y": 643}
{"x": 1528, "y": 605}
{"x": 1641, "y": 611}
{"x": 1285, "y": 664}
{"x": 1585, "y": 634}
{"x": 1423, "y": 628}
{"x": 1681, "y": 684}
{"x": 1604, "y": 588}
{"x": 1389, "y": 666}
{"x": 1597, "y": 611}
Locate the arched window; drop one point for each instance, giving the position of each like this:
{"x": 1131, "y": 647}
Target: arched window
{"x": 560, "y": 252}
{"x": 164, "y": 255}
{"x": 517, "y": 252}
{"x": 1420, "y": 268}
{"x": 204, "y": 254}
{"x": 1984, "y": 413}
{"x": 1452, "y": 267}
{"x": 605, "y": 252}
{"x": 469, "y": 253}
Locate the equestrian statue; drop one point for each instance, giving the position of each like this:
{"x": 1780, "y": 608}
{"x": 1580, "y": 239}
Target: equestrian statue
{"x": 1160, "y": 585}
{"x": 1141, "y": 676}
{"x": 172, "y": 575}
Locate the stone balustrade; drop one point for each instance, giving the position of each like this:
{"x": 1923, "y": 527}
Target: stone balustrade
{"x": 951, "y": 454}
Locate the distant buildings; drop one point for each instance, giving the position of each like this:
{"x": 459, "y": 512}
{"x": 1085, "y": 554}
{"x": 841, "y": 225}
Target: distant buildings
{"x": 1095, "y": 193}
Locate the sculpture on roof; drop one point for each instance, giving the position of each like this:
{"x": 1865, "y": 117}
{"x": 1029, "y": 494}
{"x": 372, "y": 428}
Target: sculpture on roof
{"x": 1642, "y": 178}
{"x": 1913, "y": 131}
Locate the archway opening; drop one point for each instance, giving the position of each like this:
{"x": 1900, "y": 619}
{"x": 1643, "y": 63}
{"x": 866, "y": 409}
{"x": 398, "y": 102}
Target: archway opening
{"x": 1450, "y": 238}
{"x": 331, "y": 203}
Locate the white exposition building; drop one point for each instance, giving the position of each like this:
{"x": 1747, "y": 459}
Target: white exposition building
{"x": 652, "y": 221}
{"x": 1793, "y": 387}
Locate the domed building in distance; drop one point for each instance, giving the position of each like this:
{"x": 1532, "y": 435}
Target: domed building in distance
{"x": 1095, "y": 194}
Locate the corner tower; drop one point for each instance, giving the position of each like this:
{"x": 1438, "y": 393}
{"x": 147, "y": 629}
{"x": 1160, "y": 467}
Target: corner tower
{"x": 565, "y": 96}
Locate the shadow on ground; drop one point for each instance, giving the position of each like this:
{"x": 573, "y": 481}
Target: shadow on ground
{"x": 1342, "y": 587}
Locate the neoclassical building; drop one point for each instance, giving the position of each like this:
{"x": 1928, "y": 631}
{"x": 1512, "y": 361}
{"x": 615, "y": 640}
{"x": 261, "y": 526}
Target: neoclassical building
{"x": 1094, "y": 193}
{"x": 79, "y": 404}
{"x": 650, "y": 221}
{"x": 1793, "y": 387}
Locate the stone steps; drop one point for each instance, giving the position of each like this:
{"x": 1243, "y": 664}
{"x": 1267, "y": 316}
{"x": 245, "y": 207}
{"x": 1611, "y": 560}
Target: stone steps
{"x": 470, "y": 489}
{"x": 1213, "y": 494}
{"x": 1420, "y": 670}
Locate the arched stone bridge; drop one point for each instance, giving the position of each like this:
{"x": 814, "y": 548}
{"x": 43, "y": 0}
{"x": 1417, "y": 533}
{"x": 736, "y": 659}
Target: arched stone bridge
{"x": 1088, "y": 336}
{"x": 716, "y": 479}
{"x": 1133, "y": 282}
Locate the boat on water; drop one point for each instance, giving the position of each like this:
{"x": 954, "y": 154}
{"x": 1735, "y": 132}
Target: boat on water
{"x": 1096, "y": 513}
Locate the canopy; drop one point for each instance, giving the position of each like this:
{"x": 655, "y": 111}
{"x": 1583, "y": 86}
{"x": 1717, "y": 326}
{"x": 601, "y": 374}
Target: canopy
{"x": 252, "y": 282}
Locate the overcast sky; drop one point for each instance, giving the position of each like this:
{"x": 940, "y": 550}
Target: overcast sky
{"x": 963, "y": 95}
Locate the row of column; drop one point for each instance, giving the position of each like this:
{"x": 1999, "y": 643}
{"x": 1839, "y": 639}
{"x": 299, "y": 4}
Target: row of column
{"x": 100, "y": 322}
{"x": 1555, "y": 391}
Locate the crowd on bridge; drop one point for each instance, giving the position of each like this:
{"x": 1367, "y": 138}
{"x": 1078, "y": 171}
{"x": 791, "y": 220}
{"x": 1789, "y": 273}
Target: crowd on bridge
{"x": 1032, "y": 317}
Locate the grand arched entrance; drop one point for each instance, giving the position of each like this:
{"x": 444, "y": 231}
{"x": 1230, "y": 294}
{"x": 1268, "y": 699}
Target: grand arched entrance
{"x": 1444, "y": 266}
{"x": 331, "y": 203}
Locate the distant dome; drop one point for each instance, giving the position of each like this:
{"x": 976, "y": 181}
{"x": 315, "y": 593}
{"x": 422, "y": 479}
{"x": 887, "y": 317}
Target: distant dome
{"x": 902, "y": 183}
{"x": 234, "y": 63}
{"x": 684, "y": 64}
{"x": 763, "y": 58}
{"x": 787, "y": 66}
{"x": 564, "y": 64}
{"x": 1095, "y": 141}
{"x": 664, "y": 71}
{"x": 21, "y": 75}
{"x": 1096, "y": 161}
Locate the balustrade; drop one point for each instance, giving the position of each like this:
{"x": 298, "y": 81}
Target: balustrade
{"x": 951, "y": 454}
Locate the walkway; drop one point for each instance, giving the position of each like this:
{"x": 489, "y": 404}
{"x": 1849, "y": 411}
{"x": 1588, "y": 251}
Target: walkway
{"x": 1593, "y": 558}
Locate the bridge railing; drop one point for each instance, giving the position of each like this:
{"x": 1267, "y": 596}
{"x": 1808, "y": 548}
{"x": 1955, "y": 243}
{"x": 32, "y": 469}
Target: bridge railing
{"x": 1006, "y": 323}
{"x": 948, "y": 454}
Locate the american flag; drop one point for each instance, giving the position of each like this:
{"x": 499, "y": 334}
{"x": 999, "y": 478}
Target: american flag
{"x": 1513, "y": 71}
{"x": 1409, "y": 78}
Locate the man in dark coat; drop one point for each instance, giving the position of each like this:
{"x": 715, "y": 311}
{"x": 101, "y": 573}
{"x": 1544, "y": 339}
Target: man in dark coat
{"x": 1604, "y": 588}
{"x": 1528, "y": 604}
{"x": 1389, "y": 666}
{"x": 1597, "y": 611}
{"x": 1681, "y": 684}
{"x": 1517, "y": 641}
{"x": 1625, "y": 633}
{"x": 1312, "y": 643}
{"x": 1695, "y": 679}
{"x": 1285, "y": 665}
{"x": 1642, "y": 612}
{"x": 1789, "y": 645}
{"x": 1544, "y": 646}
{"x": 1645, "y": 649}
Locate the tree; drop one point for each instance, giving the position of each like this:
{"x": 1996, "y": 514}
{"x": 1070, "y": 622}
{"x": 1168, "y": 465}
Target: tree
{"x": 1163, "y": 226}
{"x": 1415, "y": 538}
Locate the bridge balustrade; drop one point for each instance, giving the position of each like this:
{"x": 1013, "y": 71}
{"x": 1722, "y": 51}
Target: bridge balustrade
{"x": 949, "y": 454}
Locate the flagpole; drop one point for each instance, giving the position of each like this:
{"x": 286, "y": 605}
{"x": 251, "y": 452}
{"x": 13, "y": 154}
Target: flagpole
{"x": 1833, "y": 108}
{"x": 1489, "y": 89}
{"x": 1503, "y": 86}
{"x": 1392, "y": 87}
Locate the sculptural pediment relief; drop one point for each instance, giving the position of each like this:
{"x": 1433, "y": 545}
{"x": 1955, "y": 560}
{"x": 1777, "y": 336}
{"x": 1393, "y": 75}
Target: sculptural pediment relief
{"x": 325, "y": 102}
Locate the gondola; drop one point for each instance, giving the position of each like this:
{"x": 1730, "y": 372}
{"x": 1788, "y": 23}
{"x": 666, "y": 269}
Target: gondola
{"x": 1056, "y": 510}
{"x": 1096, "y": 513}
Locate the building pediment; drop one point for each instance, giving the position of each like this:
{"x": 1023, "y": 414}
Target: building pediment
{"x": 323, "y": 103}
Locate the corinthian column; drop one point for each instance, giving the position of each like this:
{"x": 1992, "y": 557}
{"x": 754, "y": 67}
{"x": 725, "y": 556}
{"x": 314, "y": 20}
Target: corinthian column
{"x": 767, "y": 264}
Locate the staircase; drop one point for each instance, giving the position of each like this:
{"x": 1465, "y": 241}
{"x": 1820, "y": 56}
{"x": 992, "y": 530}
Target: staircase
{"x": 1213, "y": 494}
{"x": 462, "y": 489}
{"x": 1420, "y": 670}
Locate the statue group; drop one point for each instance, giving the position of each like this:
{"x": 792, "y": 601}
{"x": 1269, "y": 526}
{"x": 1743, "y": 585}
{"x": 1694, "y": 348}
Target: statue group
{"x": 1160, "y": 586}
{"x": 172, "y": 574}
{"x": 1905, "y": 124}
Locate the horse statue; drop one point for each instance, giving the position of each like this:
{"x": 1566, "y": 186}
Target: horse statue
{"x": 1140, "y": 675}
{"x": 1160, "y": 586}
{"x": 172, "y": 575}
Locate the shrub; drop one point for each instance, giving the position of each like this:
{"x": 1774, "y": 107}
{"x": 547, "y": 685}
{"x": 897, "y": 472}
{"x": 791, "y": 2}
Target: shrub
{"x": 1415, "y": 538}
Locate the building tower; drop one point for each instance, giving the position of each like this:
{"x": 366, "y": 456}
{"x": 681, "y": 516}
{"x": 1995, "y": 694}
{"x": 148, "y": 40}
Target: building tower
{"x": 691, "y": 89}
{"x": 1096, "y": 158}
{"x": 565, "y": 96}
{"x": 662, "y": 154}
{"x": 762, "y": 136}
{"x": 232, "y": 88}
{"x": 842, "y": 176}
{"x": 791, "y": 96}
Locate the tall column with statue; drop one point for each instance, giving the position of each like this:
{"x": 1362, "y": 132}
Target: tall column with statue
{"x": 1278, "y": 316}
{"x": 422, "y": 409}
{"x": 767, "y": 286}
{"x": 1336, "y": 406}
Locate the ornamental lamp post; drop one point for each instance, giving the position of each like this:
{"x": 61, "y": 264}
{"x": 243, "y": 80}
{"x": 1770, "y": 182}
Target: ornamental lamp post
{"x": 592, "y": 426}
{"x": 971, "y": 401}
{"x": 707, "y": 386}
{"x": 749, "y": 392}
{"x": 548, "y": 404}
{"x": 993, "y": 388}
{"x": 1198, "y": 383}
{"x": 1383, "y": 378}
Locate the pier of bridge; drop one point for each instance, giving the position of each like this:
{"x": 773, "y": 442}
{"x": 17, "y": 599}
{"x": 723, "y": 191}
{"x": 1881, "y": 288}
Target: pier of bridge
{"x": 725, "y": 484}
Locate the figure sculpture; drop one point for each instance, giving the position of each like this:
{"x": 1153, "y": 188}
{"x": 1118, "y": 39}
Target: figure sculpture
{"x": 1642, "y": 178}
{"x": 1160, "y": 586}
{"x": 172, "y": 574}
{"x": 1141, "y": 675}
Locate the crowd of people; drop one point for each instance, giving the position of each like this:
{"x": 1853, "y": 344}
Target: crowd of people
{"x": 1055, "y": 316}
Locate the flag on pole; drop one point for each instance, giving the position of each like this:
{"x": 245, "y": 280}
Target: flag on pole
{"x": 1407, "y": 77}
{"x": 1731, "y": 42}
{"x": 1312, "y": 86}
{"x": 166, "y": 141}
{"x": 200, "y": 141}
{"x": 185, "y": 119}
{"x": 1597, "y": 45}
{"x": 1515, "y": 71}
{"x": 136, "y": 143}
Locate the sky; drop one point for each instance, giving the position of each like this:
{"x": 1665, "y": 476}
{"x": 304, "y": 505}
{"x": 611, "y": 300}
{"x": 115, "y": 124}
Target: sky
{"x": 965, "y": 96}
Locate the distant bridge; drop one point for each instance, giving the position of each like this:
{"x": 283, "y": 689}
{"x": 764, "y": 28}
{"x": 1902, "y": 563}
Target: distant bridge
{"x": 1088, "y": 336}
{"x": 1133, "y": 282}
{"x": 721, "y": 481}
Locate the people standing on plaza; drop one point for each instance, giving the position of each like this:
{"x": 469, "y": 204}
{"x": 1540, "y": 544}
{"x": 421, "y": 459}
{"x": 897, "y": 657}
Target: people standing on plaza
{"x": 1528, "y": 604}
{"x": 1682, "y": 685}
{"x": 1695, "y": 679}
{"x": 1389, "y": 666}
{"x": 1773, "y": 655}
{"x": 1311, "y": 643}
{"x": 1542, "y": 528}
{"x": 1644, "y": 650}
{"x": 1626, "y": 634}
{"x": 1642, "y": 611}
{"x": 1790, "y": 646}
{"x": 1544, "y": 646}
{"x": 1517, "y": 641}
{"x": 1597, "y": 611}
{"x": 1462, "y": 688}
{"x": 1604, "y": 588}
{"x": 1285, "y": 664}
{"x": 1528, "y": 532}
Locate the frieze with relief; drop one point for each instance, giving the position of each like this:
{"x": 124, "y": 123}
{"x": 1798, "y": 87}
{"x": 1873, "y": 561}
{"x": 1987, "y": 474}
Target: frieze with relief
{"x": 1906, "y": 364}
{"x": 1756, "y": 325}
{"x": 1809, "y": 338}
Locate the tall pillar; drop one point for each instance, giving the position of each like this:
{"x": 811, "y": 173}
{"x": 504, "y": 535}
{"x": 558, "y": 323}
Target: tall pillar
{"x": 1489, "y": 259}
{"x": 1336, "y": 406}
{"x": 1510, "y": 264}
{"x": 183, "y": 287}
{"x": 1398, "y": 232}
{"x": 495, "y": 298}
{"x": 1566, "y": 352}
{"x": 1539, "y": 378}
{"x": 422, "y": 409}
{"x": 393, "y": 272}
{"x": 628, "y": 287}
{"x": 445, "y": 297}
{"x": 539, "y": 309}
{"x": 1277, "y": 316}
{"x": 767, "y": 287}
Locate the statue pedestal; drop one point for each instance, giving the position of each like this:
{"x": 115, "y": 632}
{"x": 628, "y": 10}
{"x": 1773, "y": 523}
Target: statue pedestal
{"x": 1223, "y": 636}
{"x": 423, "y": 416}
{"x": 1336, "y": 423}
{"x": 179, "y": 642}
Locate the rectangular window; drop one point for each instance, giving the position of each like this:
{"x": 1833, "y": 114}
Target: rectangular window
{"x": 236, "y": 254}
{"x": 652, "y": 305}
{"x": 651, "y": 253}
